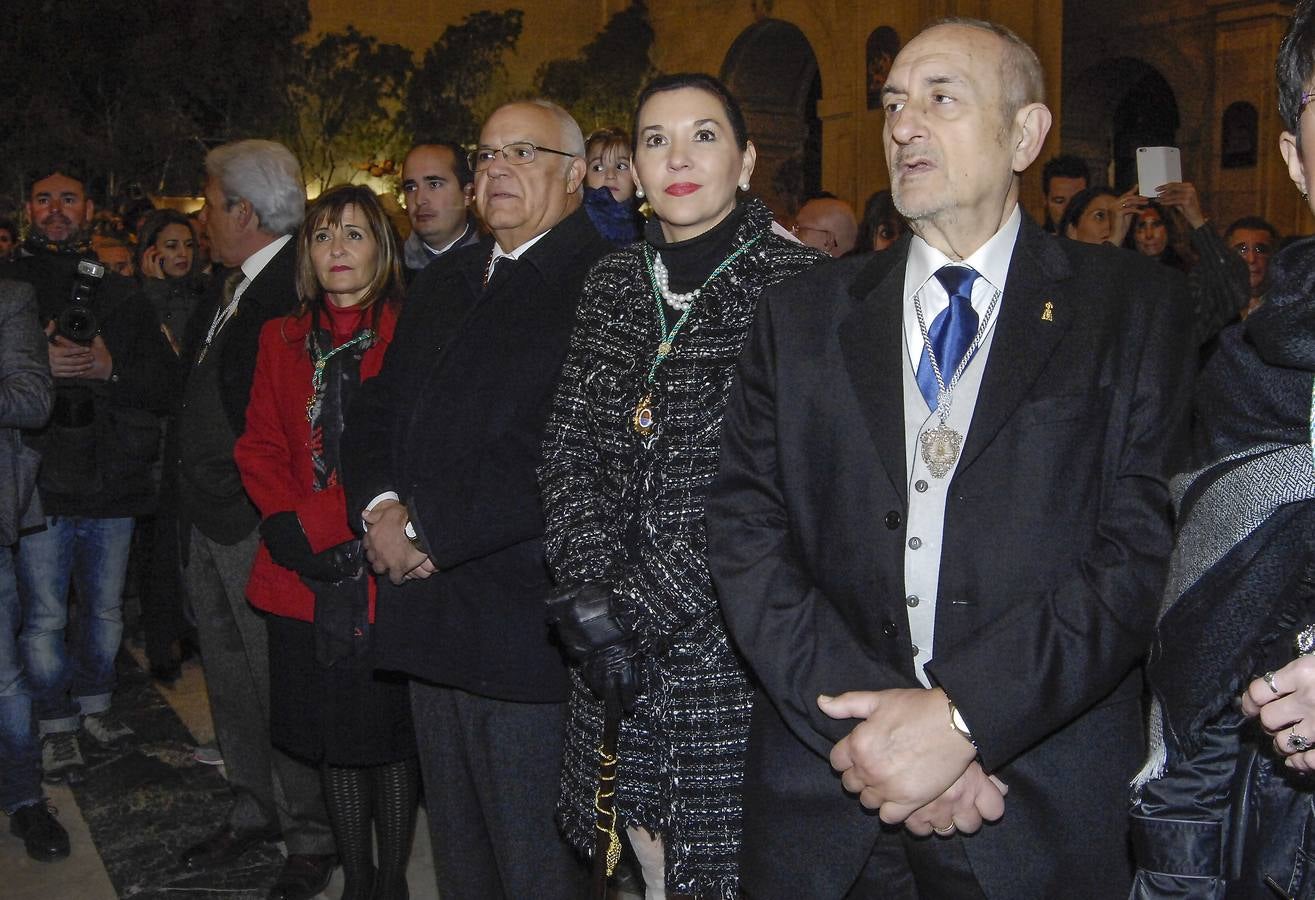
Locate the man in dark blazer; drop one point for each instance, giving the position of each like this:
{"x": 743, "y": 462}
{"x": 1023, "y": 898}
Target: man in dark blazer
{"x": 254, "y": 203}
{"x": 440, "y": 453}
{"x": 944, "y": 576}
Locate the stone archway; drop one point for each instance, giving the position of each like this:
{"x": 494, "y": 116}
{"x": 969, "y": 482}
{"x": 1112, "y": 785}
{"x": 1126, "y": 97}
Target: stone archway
{"x": 772, "y": 70}
{"x": 1113, "y": 108}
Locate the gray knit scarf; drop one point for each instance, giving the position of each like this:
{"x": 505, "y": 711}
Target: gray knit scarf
{"x": 1259, "y": 482}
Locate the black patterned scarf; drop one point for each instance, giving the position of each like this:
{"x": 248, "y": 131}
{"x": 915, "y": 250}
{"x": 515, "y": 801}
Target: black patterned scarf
{"x": 332, "y": 388}
{"x": 38, "y": 244}
{"x": 342, "y": 620}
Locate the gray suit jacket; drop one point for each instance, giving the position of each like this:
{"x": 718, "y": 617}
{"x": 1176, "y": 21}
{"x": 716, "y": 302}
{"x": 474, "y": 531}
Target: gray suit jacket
{"x": 25, "y": 399}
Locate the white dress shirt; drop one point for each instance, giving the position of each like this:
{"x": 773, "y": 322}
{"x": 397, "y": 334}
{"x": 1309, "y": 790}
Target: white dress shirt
{"x": 925, "y": 522}
{"x": 256, "y": 262}
{"x": 991, "y": 260}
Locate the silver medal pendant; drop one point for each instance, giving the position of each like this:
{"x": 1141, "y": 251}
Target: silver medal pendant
{"x": 940, "y": 448}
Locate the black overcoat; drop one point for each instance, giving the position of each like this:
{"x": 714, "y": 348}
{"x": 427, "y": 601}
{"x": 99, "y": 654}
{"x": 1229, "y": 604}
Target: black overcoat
{"x": 1056, "y": 537}
{"x": 454, "y": 424}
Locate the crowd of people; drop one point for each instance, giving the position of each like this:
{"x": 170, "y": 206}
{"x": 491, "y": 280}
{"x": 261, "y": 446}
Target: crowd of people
{"x": 645, "y": 534}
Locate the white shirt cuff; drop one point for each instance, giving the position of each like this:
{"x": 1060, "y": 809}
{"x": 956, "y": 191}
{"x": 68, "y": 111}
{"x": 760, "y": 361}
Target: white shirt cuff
{"x": 386, "y": 495}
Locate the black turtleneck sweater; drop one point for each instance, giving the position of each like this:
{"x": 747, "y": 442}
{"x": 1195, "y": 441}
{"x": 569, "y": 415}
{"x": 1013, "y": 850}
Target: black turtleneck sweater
{"x": 691, "y": 261}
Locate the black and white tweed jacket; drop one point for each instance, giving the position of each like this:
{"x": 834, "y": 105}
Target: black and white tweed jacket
{"x": 630, "y": 508}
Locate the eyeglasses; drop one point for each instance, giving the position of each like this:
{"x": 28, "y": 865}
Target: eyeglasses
{"x": 1305, "y": 101}
{"x": 1258, "y": 249}
{"x": 519, "y": 153}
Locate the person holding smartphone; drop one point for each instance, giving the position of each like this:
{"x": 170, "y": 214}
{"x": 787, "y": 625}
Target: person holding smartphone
{"x": 1216, "y": 277}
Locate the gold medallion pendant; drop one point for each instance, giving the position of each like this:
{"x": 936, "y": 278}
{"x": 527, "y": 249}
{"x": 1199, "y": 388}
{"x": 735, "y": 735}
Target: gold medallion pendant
{"x": 643, "y": 419}
{"x": 940, "y": 448}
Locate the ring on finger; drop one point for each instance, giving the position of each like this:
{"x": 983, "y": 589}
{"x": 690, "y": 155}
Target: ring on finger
{"x": 1268, "y": 678}
{"x": 1299, "y": 742}
{"x": 948, "y": 829}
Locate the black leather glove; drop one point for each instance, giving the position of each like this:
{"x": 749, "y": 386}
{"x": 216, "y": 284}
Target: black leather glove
{"x": 598, "y": 636}
{"x": 289, "y": 547}
{"x": 614, "y": 670}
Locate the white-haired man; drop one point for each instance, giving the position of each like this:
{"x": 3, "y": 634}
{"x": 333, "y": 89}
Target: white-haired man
{"x": 442, "y": 456}
{"x": 254, "y": 202}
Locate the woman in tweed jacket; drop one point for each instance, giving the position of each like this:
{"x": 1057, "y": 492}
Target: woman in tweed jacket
{"x": 631, "y": 450}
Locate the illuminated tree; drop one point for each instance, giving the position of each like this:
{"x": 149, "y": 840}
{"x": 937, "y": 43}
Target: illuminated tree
{"x": 345, "y": 97}
{"x": 456, "y": 72}
{"x": 600, "y": 85}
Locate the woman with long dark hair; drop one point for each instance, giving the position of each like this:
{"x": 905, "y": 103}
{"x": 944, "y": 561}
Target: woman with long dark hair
{"x": 882, "y": 224}
{"x": 1156, "y": 233}
{"x": 167, "y": 271}
{"x": 165, "y": 259}
{"x": 327, "y": 705}
{"x": 631, "y": 450}
{"x": 1172, "y": 229}
{"x": 1093, "y": 216}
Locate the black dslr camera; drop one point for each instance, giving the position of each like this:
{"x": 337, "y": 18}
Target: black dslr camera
{"x": 77, "y": 322}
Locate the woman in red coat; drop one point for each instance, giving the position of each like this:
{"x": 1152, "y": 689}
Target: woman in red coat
{"x": 327, "y": 704}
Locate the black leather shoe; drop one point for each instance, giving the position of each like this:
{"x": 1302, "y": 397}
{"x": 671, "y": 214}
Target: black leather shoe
{"x": 304, "y": 875}
{"x": 224, "y": 846}
{"x": 45, "y": 839}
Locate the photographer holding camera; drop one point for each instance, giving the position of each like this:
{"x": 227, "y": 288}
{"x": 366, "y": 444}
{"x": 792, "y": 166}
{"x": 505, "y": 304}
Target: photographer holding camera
{"x": 114, "y": 374}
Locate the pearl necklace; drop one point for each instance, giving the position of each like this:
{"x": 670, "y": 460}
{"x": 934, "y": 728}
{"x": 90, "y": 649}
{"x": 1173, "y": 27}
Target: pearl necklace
{"x": 677, "y": 301}
{"x": 644, "y": 420}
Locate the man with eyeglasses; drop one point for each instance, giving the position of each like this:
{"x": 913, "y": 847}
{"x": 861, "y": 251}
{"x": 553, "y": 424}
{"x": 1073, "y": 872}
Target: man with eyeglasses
{"x": 827, "y": 224}
{"x": 440, "y": 454}
{"x": 1255, "y": 240}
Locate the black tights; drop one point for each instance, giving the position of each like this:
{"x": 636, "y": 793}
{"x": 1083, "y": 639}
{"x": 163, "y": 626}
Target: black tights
{"x": 385, "y": 797}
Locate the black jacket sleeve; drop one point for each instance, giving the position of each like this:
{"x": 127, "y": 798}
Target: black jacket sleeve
{"x": 145, "y": 371}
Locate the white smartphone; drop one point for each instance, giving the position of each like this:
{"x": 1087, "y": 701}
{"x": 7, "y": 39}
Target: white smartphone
{"x": 1157, "y": 166}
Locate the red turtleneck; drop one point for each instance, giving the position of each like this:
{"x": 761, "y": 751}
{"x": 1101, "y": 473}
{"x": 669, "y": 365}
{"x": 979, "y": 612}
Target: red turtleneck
{"x": 343, "y": 322}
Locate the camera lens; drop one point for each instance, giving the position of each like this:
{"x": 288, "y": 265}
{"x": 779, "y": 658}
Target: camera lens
{"x": 77, "y": 324}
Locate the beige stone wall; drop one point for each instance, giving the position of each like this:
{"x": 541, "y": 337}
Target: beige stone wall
{"x": 853, "y": 159}
{"x": 1246, "y": 43}
{"x": 1211, "y": 53}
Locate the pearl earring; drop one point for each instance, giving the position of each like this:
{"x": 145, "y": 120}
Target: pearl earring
{"x": 744, "y": 185}
{"x": 639, "y": 192}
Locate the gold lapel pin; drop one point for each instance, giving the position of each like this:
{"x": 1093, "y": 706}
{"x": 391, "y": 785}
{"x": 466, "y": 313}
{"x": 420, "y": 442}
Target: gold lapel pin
{"x": 1048, "y": 312}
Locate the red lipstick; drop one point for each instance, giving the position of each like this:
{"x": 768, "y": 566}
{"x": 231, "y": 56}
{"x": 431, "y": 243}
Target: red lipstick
{"x": 682, "y": 188}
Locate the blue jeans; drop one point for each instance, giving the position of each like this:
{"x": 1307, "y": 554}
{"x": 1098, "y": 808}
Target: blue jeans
{"x": 20, "y": 756}
{"x": 78, "y": 679}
